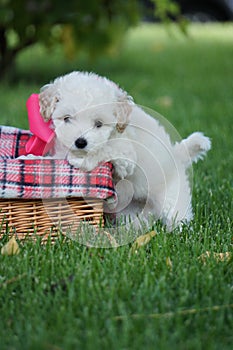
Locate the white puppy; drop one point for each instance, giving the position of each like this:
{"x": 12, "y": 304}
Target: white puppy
{"x": 95, "y": 121}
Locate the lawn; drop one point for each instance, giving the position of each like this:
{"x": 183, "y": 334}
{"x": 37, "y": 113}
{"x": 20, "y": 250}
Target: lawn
{"x": 66, "y": 296}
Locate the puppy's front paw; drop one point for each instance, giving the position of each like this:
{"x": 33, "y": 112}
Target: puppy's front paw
{"x": 123, "y": 168}
{"x": 89, "y": 164}
{"x": 76, "y": 162}
{"x": 85, "y": 164}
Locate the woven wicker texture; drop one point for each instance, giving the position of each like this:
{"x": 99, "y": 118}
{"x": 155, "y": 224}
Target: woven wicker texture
{"x": 33, "y": 218}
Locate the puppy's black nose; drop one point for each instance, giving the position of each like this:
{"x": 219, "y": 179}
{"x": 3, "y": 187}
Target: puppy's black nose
{"x": 81, "y": 142}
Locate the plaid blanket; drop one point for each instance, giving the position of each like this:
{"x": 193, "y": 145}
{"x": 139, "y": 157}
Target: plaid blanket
{"x": 46, "y": 178}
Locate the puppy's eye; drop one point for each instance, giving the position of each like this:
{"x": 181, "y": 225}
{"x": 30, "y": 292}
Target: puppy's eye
{"x": 98, "y": 123}
{"x": 66, "y": 118}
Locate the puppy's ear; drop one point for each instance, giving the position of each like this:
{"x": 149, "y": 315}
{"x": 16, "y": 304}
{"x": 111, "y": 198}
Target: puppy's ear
{"x": 122, "y": 113}
{"x": 48, "y": 98}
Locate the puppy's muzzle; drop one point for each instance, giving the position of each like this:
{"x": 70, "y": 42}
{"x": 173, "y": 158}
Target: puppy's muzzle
{"x": 81, "y": 143}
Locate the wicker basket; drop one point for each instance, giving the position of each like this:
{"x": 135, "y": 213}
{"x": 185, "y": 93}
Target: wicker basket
{"x": 24, "y": 182}
{"x": 48, "y": 218}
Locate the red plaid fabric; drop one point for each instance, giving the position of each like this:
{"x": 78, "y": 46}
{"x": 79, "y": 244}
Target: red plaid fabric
{"x": 13, "y": 141}
{"x": 46, "y": 178}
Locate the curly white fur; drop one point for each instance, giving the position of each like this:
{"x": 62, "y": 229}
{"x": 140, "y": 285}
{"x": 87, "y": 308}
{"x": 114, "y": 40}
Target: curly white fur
{"x": 95, "y": 121}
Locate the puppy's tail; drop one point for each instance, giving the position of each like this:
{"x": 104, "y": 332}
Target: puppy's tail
{"x": 193, "y": 148}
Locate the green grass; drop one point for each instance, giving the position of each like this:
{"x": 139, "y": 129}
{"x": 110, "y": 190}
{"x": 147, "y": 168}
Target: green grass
{"x": 66, "y": 296}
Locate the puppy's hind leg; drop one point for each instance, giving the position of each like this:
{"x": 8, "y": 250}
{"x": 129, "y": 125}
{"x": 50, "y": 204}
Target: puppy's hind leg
{"x": 176, "y": 202}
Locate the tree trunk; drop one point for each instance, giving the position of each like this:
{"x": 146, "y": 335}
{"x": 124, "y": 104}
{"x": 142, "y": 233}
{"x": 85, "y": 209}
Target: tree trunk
{"x": 7, "y": 55}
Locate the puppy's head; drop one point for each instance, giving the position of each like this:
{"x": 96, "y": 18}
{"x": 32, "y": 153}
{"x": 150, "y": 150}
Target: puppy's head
{"x": 85, "y": 109}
